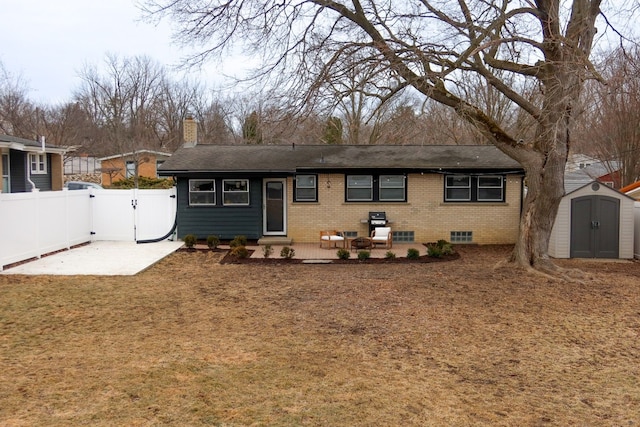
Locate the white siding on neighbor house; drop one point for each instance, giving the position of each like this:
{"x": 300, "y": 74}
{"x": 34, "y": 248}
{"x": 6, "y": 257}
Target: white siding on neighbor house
{"x": 636, "y": 248}
{"x": 560, "y": 241}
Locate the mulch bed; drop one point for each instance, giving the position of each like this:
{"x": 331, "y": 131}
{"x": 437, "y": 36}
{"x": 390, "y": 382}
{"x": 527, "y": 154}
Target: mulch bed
{"x": 231, "y": 259}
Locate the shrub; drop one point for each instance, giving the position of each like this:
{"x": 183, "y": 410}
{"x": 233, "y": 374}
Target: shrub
{"x": 390, "y": 255}
{"x": 364, "y": 255}
{"x": 213, "y": 241}
{"x": 413, "y": 253}
{"x": 238, "y": 241}
{"x": 343, "y": 254}
{"x": 267, "y": 250}
{"x": 434, "y": 251}
{"x": 144, "y": 182}
{"x": 190, "y": 240}
{"x": 240, "y": 252}
{"x": 287, "y": 252}
{"x": 440, "y": 248}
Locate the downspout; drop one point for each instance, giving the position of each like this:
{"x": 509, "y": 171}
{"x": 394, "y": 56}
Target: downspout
{"x": 33, "y": 185}
{"x": 166, "y": 236}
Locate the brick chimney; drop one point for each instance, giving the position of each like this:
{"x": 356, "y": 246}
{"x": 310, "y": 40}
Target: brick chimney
{"x": 190, "y": 131}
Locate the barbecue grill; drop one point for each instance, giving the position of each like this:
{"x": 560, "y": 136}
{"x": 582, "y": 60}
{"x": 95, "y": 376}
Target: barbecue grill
{"x": 377, "y": 219}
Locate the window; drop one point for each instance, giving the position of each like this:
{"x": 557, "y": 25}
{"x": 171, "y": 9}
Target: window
{"x": 38, "y": 162}
{"x": 387, "y": 188}
{"x": 5, "y": 173}
{"x": 461, "y": 237}
{"x": 306, "y": 188}
{"x": 391, "y": 188}
{"x": 490, "y": 188}
{"x": 235, "y": 192}
{"x": 359, "y": 188}
{"x": 468, "y": 188}
{"x": 458, "y": 188}
{"x": 202, "y": 192}
{"x": 130, "y": 169}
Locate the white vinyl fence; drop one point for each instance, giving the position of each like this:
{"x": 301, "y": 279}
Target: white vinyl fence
{"x": 636, "y": 239}
{"x": 37, "y": 223}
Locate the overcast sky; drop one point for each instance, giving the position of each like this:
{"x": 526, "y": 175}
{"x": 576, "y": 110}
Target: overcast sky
{"x": 47, "y": 42}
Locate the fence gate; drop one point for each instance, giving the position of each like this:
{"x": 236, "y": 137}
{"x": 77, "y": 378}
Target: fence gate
{"x": 132, "y": 214}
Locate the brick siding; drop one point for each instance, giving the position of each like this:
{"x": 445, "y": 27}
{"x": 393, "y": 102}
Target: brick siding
{"x": 425, "y": 212}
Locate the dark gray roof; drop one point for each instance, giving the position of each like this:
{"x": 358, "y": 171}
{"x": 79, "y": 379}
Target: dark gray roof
{"x": 22, "y": 142}
{"x": 287, "y": 158}
{"x": 579, "y": 178}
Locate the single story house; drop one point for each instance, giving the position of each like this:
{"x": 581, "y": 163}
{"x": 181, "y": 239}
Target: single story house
{"x": 593, "y": 221}
{"x": 30, "y": 165}
{"x": 119, "y": 167}
{"x": 464, "y": 194}
{"x": 605, "y": 173}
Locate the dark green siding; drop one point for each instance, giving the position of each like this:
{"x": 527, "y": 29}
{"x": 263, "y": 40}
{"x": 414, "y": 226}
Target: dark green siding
{"x": 225, "y": 222}
{"x": 18, "y": 165}
{"x": 19, "y": 182}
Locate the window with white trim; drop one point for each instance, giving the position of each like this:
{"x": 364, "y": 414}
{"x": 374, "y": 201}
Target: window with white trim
{"x": 235, "y": 192}
{"x": 359, "y": 188}
{"x": 376, "y": 188}
{"x": 202, "y": 192}
{"x": 474, "y": 188}
{"x": 391, "y": 188}
{"x": 457, "y": 188}
{"x": 306, "y": 188}
{"x": 130, "y": 169}
{"x": 38, "y": 163}
{"x": 490, "y": 188}
{"x": 5, "y": 173}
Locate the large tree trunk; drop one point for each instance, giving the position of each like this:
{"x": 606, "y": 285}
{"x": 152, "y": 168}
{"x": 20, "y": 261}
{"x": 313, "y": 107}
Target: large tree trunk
{"x": 545, "y": 188}
{"x": 544, "y": 163}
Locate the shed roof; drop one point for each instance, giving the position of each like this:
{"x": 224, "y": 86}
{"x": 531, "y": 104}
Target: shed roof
{"x": 296, "y": 158}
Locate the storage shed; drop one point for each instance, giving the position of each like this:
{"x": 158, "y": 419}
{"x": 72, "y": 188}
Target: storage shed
{"x": 593, "y": 221}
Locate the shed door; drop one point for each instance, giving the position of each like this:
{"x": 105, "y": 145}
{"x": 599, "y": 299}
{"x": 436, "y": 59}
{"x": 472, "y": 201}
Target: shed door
{"x": 595, "y": 225}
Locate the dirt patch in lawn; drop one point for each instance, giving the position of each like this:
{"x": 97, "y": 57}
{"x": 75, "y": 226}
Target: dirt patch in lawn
{"x": 193, "y": 342}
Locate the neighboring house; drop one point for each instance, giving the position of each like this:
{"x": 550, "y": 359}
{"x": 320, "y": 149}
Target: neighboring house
{"x": 579, "y": 161}
{"x": 122, "y": 166}
{"x": 464, "y": 194}
{"x": 30, "y": 165}
{"x": 606, "y": 174}
{"x": 593, "y": 221}
{"x": 632, "y": 190}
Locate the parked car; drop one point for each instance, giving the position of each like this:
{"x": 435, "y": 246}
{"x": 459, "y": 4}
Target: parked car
{"x": 80, "y": 185}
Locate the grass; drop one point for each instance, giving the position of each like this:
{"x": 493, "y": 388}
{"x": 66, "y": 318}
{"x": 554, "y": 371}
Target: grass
{"x": 192, "y": 342}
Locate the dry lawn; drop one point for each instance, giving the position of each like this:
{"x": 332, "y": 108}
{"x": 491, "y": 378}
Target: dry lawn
{"x": 193, "y": 342}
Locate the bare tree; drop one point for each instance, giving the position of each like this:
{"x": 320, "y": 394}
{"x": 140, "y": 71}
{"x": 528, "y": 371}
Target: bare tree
{"x": 124, "y": 103}
{"x": 17, "y": 112}
{"x": 433, "y": 47}
{"x": 612, "y": 133}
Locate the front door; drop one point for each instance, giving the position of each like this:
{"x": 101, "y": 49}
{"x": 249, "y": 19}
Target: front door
{"x": 595, "y": 227}
{"x": 275, "y": 207}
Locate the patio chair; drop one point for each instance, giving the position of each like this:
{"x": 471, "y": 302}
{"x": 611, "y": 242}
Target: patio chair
{"x": 382, "y": 235}
{"x": 332, "y": 237}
